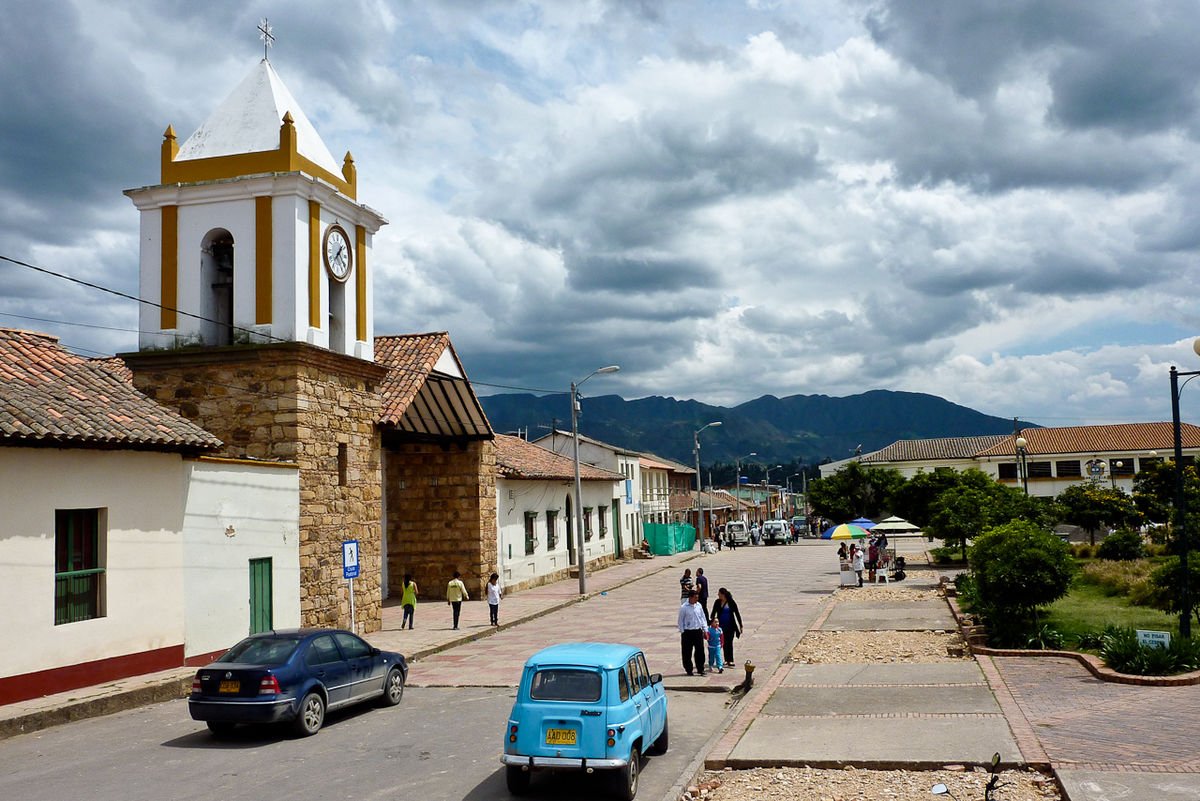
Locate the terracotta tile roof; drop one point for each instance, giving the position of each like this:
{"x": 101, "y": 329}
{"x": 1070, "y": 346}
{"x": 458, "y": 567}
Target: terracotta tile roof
{"x": 921, "y": 450}
{"x": 1136, "y": 437}
{"x": 115, "y": 365}
{"x": 50, "y": 396}
{"x": 661, "y": 463}
{"x": 421, "y": 399}
{"x": 516, "y": 458}
{"x": 708, "y": 500}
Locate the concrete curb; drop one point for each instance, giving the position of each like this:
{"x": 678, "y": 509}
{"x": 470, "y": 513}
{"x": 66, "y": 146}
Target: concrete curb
{"x": 168, "y": 689}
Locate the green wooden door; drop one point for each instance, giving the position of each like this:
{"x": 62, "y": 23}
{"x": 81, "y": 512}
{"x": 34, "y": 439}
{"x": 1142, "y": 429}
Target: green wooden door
{"x": 616, "y": 527}
{"x": 260, "y": 595}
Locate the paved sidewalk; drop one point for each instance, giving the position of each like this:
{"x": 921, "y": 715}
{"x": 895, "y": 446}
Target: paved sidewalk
{"x": 779, "y": 589}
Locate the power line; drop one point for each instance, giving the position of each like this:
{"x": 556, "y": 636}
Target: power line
{"x": 136, "y": 299}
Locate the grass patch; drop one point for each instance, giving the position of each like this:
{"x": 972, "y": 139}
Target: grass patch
{"x": 1087, "y": 608}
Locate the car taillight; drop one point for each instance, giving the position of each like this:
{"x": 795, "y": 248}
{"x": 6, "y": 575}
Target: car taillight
{"x": 268, "y": 686}
{"x": 196, "y": 684}
{"x": 512, "y": 734}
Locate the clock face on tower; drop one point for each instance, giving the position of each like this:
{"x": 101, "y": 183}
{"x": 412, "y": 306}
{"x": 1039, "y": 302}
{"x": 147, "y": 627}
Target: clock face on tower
{"x": 338, "y": 256}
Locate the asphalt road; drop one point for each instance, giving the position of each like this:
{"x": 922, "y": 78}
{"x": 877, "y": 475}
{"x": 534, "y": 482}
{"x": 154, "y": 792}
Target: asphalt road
{"x": 438, "y": 744}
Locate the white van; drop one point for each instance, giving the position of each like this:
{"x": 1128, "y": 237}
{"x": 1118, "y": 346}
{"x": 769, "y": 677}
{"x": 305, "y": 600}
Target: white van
{"x": 738, "y": 532}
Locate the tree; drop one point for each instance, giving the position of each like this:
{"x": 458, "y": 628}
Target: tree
{"x": 914, "y": 499}
{"x": 1090, "y": 505}
{"x": 1019, "y": 567}
{"x": 854, "y": 491}
{"x": 976, "y": 503}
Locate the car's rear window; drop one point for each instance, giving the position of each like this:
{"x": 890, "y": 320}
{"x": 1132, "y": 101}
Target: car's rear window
{"x": 262, "y": 651}
{"x": 565, "y": 684}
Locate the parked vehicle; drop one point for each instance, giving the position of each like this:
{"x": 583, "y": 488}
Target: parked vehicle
{"x": 585, "y": 706}
{"x": 776, "y": 532}
{"x": 295, "y": 676}
{"x": 739, "y": 531}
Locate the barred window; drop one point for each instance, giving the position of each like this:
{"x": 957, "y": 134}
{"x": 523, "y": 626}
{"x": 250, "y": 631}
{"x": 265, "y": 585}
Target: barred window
{"x": 530, "y": 533}
{"x": 78, "y": 566}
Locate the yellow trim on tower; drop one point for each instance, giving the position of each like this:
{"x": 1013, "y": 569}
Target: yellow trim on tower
{"x": 263, "y": 258}
{"x": 169, "y": 268}
{"x": 285, "y": 159}
{"x": 360, "y": 282}
{"x": 314, "y": 264}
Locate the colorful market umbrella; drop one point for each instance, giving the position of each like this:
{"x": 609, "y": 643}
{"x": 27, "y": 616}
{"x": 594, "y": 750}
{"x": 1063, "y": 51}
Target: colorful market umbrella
{"x": 863, "y": 522}
{"x": 844, "y": 531}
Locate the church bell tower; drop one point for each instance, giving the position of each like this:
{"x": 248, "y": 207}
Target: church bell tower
{"x": 254, "y": 233}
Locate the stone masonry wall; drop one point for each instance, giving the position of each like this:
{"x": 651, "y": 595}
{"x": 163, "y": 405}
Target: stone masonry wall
{"x": 441, "y": 516}
{"x": 299, "y": 403}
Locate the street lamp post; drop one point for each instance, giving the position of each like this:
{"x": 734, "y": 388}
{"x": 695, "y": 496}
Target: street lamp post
{"x": 1112, "y": 474}
{"x": 767, "y": 486}
{"x": 1022, "y": 464}
{"x": 737, "y": 478}
{"x": 696, "y": 451}
{"x": 575, "y": 385}
{"x": 1185, "y": 593}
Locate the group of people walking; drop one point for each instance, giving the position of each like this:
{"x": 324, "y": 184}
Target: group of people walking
{"x": 456, "y": 593}
{"x": 698, "y": 625}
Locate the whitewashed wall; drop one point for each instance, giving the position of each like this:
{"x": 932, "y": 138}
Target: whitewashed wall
{"x": 236, "y": 512}
{"x": 143, "y": 494}
{"x": 515, "y": 497}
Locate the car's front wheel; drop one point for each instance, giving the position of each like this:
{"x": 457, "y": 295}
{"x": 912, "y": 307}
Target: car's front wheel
{"x": 626, "y": 779}
{"x": 312, "y": 715}
{"x": 393, "y": 688}
{"x": 517, "y": 779}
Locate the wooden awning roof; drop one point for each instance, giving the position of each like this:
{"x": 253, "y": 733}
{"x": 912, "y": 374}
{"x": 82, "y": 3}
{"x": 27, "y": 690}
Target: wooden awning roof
{"x": 426, "y": 393}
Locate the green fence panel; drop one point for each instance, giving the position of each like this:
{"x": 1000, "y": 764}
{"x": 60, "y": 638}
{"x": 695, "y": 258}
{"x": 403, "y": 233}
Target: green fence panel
{"x": 669, "y": 538}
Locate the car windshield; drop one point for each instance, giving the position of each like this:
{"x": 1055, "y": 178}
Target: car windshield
{"x": 262, "y": 651}
{"x": 558, "y": 684}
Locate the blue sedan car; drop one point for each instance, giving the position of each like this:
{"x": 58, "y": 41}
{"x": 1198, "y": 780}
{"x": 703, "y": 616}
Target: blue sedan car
{"x": 586, "y": 706}
{"x": 295, "y": 676}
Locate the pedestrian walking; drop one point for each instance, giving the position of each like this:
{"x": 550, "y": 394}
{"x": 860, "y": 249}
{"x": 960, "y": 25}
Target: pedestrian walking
{"x": 408, "y": 600}
{"x": 456, "y": 593}
{"x": 715, "y": 639}
{"x": 702, "y": 588}
{"x": 725, "y": 610}
{"x": 692, "y": 628}
{"x": 856, "y": 562}
{"x": 685, "y": 585}
{"x": 494, "y": 594}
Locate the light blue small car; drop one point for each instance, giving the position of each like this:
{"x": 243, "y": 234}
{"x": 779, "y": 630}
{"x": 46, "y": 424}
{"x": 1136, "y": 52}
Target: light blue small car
{"x": 586, "y": 706}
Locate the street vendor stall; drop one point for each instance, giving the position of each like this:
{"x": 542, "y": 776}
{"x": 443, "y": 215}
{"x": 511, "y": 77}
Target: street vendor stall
{"x": 845, "y": 531}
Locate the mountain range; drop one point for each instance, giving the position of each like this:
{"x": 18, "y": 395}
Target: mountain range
{"x": 811, "y": 429}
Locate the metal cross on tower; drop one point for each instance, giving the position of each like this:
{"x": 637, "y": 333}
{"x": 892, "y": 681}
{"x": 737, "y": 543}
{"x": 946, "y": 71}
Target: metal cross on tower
{"x": 264, "y": 33}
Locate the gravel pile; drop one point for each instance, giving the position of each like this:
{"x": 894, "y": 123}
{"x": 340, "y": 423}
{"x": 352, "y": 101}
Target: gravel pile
{"x": 823, "y": 647}
{"x": 809, "y": 784}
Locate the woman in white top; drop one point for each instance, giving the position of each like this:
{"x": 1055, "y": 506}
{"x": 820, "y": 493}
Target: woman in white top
{"x": 856, "y": 561}
{"x": 494, "y": 594}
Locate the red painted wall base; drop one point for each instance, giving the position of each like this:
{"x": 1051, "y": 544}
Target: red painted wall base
{"x": 72, "y": 677}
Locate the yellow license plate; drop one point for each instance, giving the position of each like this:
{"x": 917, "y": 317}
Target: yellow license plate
{"x": 560, "y": 736}
{"x": 230, "y": 686}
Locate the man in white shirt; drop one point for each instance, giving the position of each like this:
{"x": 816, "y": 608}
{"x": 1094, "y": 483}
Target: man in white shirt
{"x": 691, "y": 633}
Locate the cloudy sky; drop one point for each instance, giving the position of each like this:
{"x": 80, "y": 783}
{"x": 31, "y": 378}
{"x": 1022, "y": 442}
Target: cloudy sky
{"x": 995, "y": 202}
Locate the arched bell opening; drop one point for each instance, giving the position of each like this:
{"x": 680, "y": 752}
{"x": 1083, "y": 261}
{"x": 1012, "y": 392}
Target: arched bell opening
{"x": 216, "y": 286}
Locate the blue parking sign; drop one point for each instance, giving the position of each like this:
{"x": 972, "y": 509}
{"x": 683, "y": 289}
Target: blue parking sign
{"x": 350, "y": 559}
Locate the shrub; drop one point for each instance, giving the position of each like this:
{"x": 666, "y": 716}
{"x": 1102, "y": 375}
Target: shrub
{"x": 946, "y": 555}
{"x": 1124, "y": 545}
{"x": 968, "y": 592}
{"x": 1094, "y": 640}
{"x": 1018, "y": 567}
{"x": 1123, "y": 653}
{"x": 1117, "y": 578}
{"x": 1082, "y": 550}
{"x": 1046, "y": 638}
{"x": 1166, "y": 582}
